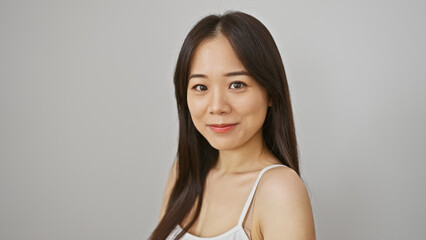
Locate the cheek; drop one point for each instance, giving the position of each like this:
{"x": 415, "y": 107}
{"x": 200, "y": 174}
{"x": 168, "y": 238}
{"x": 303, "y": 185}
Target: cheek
{"x": 253, "y": 106}
{"x": 196, "y": 107}
{"x": 253, "y": 112}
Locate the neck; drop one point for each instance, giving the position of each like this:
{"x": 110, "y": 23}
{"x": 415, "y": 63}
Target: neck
{"x": 249, "y": 157}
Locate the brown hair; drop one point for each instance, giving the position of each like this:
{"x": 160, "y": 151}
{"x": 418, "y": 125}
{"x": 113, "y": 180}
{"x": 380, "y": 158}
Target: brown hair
{"x": 257, "y": 51}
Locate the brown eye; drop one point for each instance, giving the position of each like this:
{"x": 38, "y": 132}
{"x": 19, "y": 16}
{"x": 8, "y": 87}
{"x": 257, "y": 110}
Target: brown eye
{"x": 199, "y": 87}
{"x": 238, "y": 85}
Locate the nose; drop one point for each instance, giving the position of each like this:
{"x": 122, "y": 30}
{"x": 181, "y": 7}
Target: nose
{"x": 219, "y": 103}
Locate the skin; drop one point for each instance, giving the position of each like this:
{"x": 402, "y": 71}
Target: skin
{"x": 216, "y": 99}
{"x": 281, "y": 205}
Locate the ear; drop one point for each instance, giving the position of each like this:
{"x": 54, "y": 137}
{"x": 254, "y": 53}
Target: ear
{"x": 270, "y": 102}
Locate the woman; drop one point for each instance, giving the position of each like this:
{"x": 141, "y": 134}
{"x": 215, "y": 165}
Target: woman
{"x": 237, "y": 172}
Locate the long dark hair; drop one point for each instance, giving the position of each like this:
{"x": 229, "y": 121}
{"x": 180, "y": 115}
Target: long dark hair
{"x": 258, "y": 53}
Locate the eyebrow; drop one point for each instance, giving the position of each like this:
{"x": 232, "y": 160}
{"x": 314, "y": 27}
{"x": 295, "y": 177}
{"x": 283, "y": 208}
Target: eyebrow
{"x": 230, "y": 74}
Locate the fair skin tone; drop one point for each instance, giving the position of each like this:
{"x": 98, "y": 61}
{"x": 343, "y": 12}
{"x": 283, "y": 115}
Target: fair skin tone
{"x": 221, "y": 91}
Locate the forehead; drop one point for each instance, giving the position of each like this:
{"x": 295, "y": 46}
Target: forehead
{"x": 215, "y": 56}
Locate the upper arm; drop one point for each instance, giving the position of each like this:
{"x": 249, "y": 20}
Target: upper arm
{"x": 285, "y": 208}
{"x": 168, "y": 189}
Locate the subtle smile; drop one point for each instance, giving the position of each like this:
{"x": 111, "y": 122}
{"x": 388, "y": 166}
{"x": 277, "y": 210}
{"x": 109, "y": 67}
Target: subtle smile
{"x": 222, "y": 128}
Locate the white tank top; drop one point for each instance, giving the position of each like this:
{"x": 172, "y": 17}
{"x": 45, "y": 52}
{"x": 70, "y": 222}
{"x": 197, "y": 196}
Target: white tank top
{"x": 237, "y": 232}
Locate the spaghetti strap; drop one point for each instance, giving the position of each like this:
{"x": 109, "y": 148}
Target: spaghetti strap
{"x": 253, "y": 190}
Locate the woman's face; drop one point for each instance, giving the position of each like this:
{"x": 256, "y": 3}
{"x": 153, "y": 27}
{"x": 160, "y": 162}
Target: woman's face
{"x": 220, "y": 91}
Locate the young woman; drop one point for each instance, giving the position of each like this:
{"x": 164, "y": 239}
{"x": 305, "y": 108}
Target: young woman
{"x": 237, "y": 174}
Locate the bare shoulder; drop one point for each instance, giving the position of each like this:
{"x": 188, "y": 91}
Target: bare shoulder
{"x": 281, "y": 182}
{"x": 171, "y": 179}
{"x": 284, "y": 206}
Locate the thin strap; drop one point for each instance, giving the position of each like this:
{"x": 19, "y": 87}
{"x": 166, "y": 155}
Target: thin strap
{"x": 253, "y": 190}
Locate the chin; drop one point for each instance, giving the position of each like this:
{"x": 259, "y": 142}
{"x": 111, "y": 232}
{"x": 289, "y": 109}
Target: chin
{"x": 223, "y": 145}
{"x": 222, "y": 148}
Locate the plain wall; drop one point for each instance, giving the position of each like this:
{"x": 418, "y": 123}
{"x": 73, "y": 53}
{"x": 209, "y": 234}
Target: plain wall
{"x": 88, "y": 122}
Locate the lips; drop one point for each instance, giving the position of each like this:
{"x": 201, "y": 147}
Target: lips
{"x": 222, "y": 125}
{"x": 222, "y": 128}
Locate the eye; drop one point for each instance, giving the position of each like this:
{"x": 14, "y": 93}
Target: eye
{"x": 238, "y": 85}
{"x": 199, "y": 87}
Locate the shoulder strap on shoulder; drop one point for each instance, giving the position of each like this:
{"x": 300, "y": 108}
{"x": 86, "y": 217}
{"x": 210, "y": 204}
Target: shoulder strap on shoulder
{"x": 253, "y": 190}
